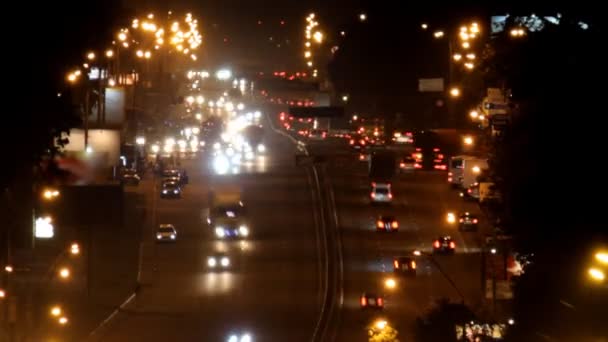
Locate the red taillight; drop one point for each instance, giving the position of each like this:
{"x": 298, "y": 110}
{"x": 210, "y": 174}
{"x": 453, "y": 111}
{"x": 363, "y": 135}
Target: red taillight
{"x": 436, "y": 149}
{"x": 396, "y": 263}
{"x": 361, "y": 157}
{"x": 449, "y": 179}
{"x": 373, "y": 183}
{"x": 461, "y": 220}
{"x": 469, "y": 191}
{"x": 373, "y": 195}
{"x": 440, "y": 156}
{"x": 352, "y": 142}
{"x": 395, "y": 225}
{"x": 362, "y": 142}
{"x": 401, "y": 164}
{"x": 417, "y": 166}
{"x": 474, "y": 220}
{"x": 363, "y": 301}
{"x": 390, "y": 195}
{"x": 380, "y": 302}
{"x": 413, "y": 265}
{"x": 450, "y": 174}
{"x": 436, "y": 244}
{"x": 418, "y": 149}
{"x": 452, "y": 244}
{"x": 379, "y": 224}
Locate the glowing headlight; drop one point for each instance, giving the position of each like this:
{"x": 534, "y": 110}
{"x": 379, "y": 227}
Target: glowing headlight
{"x": 155, "y": 148}
{"x": 181, "y": 143}
{"x": 175, "y": 191}
{"x": 221, "y": 164}
{"x": 243, "y": 230}
{"x": 172, "y": 236}
{"x": 261, "y": 148}
{"x": 257, "y": 114}
{"x": 158, "y": 236}
{"x": 211, "y": 262}
{"x": 164, "y": 191}
{"x": 196, "y": 130}
{"x": 225, "y": 262}
{"x": 219, "y": 232}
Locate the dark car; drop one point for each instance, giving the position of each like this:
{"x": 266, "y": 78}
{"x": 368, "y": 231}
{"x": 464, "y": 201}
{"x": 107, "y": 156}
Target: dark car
{"x": 371, "y": 301}
{"x": 444, "y": 245}
{"x": 468, "y": 221}
{"x": 404, "y": 265}
{"x": 171, "y": 190}
{"x": 386, "y": 223}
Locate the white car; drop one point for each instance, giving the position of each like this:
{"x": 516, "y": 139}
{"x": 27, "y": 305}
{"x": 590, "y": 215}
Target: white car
{"x": 166, "y": 233}
{"x": 381, "y": 193}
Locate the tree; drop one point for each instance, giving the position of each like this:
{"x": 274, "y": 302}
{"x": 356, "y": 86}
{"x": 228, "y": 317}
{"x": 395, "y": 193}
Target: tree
{"x": 439, "y": 323}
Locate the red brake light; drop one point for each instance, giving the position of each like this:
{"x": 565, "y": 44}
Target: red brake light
{"x": 352, "y": 142}
{"x": 390, "y": 195}
{"x": 450, "y": 174}
{"x": 417, "y": 166}
{"x": 396, "y": 263}
{"x": 373, "y": 183}
{"x": 372, "y": 194}
{"x": 474, "y": 220}
{"x": 363, "y": 301}
{"x": 436, "y": 149}
{"x": 469, "y": 191}
{"x": 449, "y": 179}
{"x": 380, "y": 302}
{"x": 436, "y": 244}
{"x": 395, "y": 224}
{"x": 401, "y": 164}
{"x": 461, "y": 220}
{"x": 452, "y": 244}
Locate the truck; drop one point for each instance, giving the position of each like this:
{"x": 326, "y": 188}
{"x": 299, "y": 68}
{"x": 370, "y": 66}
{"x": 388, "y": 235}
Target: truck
{"x": 382, "y": 165}
{"x": 471, "y": 169}
{"x": 226, "y": 214}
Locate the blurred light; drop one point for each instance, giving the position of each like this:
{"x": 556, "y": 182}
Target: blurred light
{"x": 122, "y": 36}
{"x": 471, "y": 56}
{"x": 424, "y": 26}
{"x": 476, "y": 169}
{"x": 91, "y": 56}
{"x": 597, "y": 274}
{"x": 362, "y": 17}
{"x": 466, "y": 45}
{"x": 49, "y": 194}
{"x": 602, "y": 257}
{"x": 155, "y": 148}
{"x": 43, "y": 228}
{"x": 345, "y": 98}
{"x": 469, "y": 65}
{"x": 111, "y": 82}
{"x": 417, "y": 253}
{"x": 109, "y": 53}
{"x": 493, "y": 251}
{"x": 451, "y": 218}
{"x": 2, "y": 294}
{"x": 64, "y": 272}
{"x": 457, "y": 57}
{"x": 511, "y": 321}
{"x": 140, "y": 141}
{"x": 63, "y": 320}
{"x": 318, "y": 36}
{"x": 8, "y": 269}
{"x": 139, "y": 53}
{"x": 468, "y": 140}
{"x": 223, "y": 74}
{"x": 473, "y": 114}
{"x": 381, "y": 324}
{"x": 390, "y": 283}
{"x": 190, "y": 99}
{"x": 438, "y": 34}
{"x": 56, "y": 311}
{"x": 455, "y": 92}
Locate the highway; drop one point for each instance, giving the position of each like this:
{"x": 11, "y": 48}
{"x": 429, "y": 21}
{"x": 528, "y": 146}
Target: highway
{"x": 421, "y": 202}
{"x": 272, "y": 291}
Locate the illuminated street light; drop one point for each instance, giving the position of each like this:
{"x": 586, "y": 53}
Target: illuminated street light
{"x": 111, "y": 82}
{"x": 473, "y": 114}
{"x": 307, "y": 54}
{"x": 476, "y": 169}
{"x": 318, "y": 37}
{"x": 424, "y": 26}
{"x": 362, "y": 17}
{"x": 438, "y": 34}
{"x": 63, "y": 320}
{"x": 469, "y": 65}
{"x": 43, "y": 228}
{"x": 71, "y": 78}
{"x": 147, "y": 54}
{"x": 56, "y": 311}
{"x": 91, "y": 56}
{"x": 345, "y": 98}
{"x": 602, "y": 257}
{"x": 451, "y": 218}
{"x": 417, "y": 253}
{"x": 64, "y": 273}
{"x": 455, "y": 92}
{"x": 471, "y": 56}
{"x": 597, "y": 274}
{"x": 466, "y": 45}
{"x": 8, "y": 269}
{"x": 468, "y": 140}
{"x": 2, "y": 294}
{"x": 139, "y": 53}
{"x": 109, "y": 53}
{"x": 309, "y": 63}
{"x": 482, "y": 117}
{"x": 457, "y": 57}
{"x": 122, "y": 36}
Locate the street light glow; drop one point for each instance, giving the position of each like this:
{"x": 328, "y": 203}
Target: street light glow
{"x": 602, "y": 257}
{"x": 2, "y": 294}
{"x": 49, "y": 194}
{"x": 56, "y": 311}
{"x": 469, "y": 65}
{"x": 466, "y": 45}
{"x": 109, "y": 53}
{"x": 64, "y": 273}
{"x": 8, "y": 269}
{"x": 438, "y": 34}
{"x": 390, "y": 283}
{"x": 596, "y": 274}
{"x": 75, "y": 248}
{"x": 424, "y": 26}
{"x": 91, "y": 56}
{"x": 468, "y": 140}
{"x": 318, "y": 37}
{"x": 473, "y": 114}
{"x": 381, "y": 324}
{"x": 457, "y": 57}
{"x": 455, "y": 92}
{"x": 63, "y": 320}
{"x": 362, "y": 17}
{"x": 122, "y": 36}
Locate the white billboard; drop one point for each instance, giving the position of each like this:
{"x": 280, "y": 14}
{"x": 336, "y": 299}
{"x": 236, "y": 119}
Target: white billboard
{"x": 430, "y": 85}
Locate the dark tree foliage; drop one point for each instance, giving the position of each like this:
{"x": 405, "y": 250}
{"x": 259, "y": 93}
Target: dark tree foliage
{"x": 438, "y": 324}
{"x": 550, "y": 164}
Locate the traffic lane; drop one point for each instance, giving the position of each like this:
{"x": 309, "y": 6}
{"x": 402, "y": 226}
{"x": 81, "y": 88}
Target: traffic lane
{"x": 258, "y": 295}
{"x": 369, "y": 255}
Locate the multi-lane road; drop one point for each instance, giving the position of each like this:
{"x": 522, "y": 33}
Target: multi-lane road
{"x": 275, "y": 288}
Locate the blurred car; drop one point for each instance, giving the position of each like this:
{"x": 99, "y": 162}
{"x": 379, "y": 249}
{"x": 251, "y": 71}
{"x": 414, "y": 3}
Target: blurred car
{"x": 357, "y": 143}
{"x": 226, "y": 230}
{"x": 371, "y": 301}
{"x": 404, "y": 265}
{"x": 166, "y": 233}
{"x": 386, "y": 223}
{"x": 468, "y": 221}
{"x": 170, "y": 190}
{"x": 317, "y": 134}
{"x": 407, "y": 164}
{"x": 439, "y": 161}
{"x": 130, "y": 177}
{"x": 218, "y": 261}
{"x": 381, "y": 193}
{"x": 444, "y": 245}
{"x": 366, "y": 157}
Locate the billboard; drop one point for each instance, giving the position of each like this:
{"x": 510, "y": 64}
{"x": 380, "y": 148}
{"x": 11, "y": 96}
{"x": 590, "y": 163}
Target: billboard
{"x": 430, "y": 85}
{"x": 115, "y": 106}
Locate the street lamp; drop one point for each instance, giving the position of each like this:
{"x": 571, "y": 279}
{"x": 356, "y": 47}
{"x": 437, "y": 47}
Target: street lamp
{"x": 2, "y": 294}
{"x": 468, "y": 140}
{"x": 473, "y": 114}
{"x": 109, "y": 53}
{"x": 91, "y": 56}
{"x": 380, "y": 324}
{"x": 56, "y": 311}
{"x": 318, "y": 37}
{"x": 64, "y": 273}
{"x": 345, "y": 98}
{"x": 140, "y": 141}
{"x": 390, "y": 283}
{"x": 424, "y": 26}
{"x": 455, "y": 92}
{"x": 596, "y": 274}
{"x": 469, "y": 65}
{"x": 8, "y": 269}
{"x": 63, "y": 320}
{"x": 457, "y": 57}
{"x": 451, "y": 218}
{"x": 438, "y": 34}
{"x": 362, "y": 17}
{"x": 602, "y": 257}
{"x": 74, "y": 248}
{"x": 49, "y": 194}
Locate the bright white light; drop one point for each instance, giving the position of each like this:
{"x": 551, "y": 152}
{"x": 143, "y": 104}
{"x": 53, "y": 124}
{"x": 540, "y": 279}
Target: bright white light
{"x": 221, "y": 165}
{"x": 188, "y": 131}
{"x": 169, "y": 141}
{"x": 211, "y": 104}
{"x": 211, "y": 262}
{"x": 223, "y": 74}
{"x": 229, "y": 106}
{"x": 204, "y": 74}
{"x": 219, "y": 232}
{"x": 155, "y": 148}
{"x": 249, "y": 155}
{"x": 225, "y": 261}
{"x": 43, "y": 228}
{"x": 193, "y": 144}
{"x": 246, "y": 338}
{"x": 190, "y": 99}
{"x": 168, "y": 149}
{"x": 200, "y": 99}
{"x": 89, "y": 149}
{"x": 181, "y": 143}
{"x": 261, "y": 148}
{"x": 233, "y": 338}
{"x": 229, "y": 151}
{"x": 236, "y": 159}
{"x": 140, "y": 141}
{"x": 240, "y": 106}
{"x": 199, "y": 116}
{"x": 257, "y": 114}
{"x": 243, "y": 230}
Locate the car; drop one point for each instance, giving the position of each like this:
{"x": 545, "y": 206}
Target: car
{"x": 444, "y": 244}
{"x": 230, "y": 229}
{"x": 386, "y": 223}
{"x": 404, "y": 265}
{"x": 467, "y": 221}
{"x": 218, "y": 261}
{"x": 407, "y": 164}
{"x": 371, "y": 301}
{"x": 166, "y": 233}
{"x": 365, "y": 157}
{"x": 381, "y": 193}
{"x": 171, "y": 190}
{"x": 130, "y": 177}
{"x": 173, "y": 179}
{"x": 357, "y": 143}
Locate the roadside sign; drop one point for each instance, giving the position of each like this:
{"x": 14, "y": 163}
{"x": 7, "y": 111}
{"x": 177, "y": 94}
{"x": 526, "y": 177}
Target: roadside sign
{"x": 430, "y": 85}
